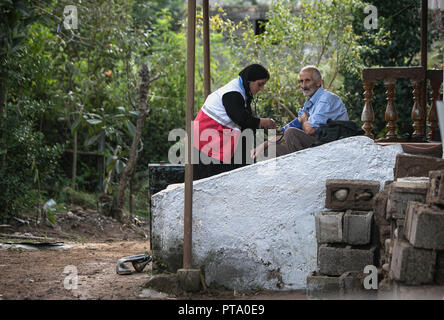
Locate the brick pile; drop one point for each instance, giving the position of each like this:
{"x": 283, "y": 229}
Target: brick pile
{"x": 345, "y": 242}
{"x": 399, "y": 230}
{"x": 415, "y": 250}
{"x": 409, "y": 216}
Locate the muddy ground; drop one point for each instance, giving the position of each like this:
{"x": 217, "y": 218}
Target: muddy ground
{"x": 96, "y": 243}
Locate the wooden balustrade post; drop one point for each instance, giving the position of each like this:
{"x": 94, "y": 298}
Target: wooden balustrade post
{"x": 423, "y": 105}
{"x": 433, "y": 114}
{"x": 391, "y": 115}
{"x": 368, "y": 115}
{"x": 417, "y": 112}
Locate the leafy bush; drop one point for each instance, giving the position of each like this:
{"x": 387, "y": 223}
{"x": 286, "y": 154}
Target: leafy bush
{"x": 72, "y": 197}
{"x": 28, "y": 160}
{"x": 317, "y": 33}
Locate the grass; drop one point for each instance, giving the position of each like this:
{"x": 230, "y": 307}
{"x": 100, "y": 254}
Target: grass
{"x": 81, "y": 240}
{"x": 74, "y": 197}
{"x": 140, "y": 202}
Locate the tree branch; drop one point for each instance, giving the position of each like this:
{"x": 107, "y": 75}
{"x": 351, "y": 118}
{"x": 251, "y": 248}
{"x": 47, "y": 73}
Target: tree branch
{"x": 144, "y": 112}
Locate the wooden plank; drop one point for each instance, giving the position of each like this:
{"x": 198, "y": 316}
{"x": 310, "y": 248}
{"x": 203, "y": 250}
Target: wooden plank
{"x": 435, "y": 75}
{"x": 413, "y": 73}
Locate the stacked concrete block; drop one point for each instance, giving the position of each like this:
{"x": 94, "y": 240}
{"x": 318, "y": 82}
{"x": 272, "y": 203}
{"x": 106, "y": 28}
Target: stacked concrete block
{"x": 352, "y": 227}
{"x": 439, "y": 272}
{"x": 416, "y": 166}
{"x": 380, "y": 205}
{"x": 351, "y": 286}
{"x": 397, "y": 228}
{"x": 357, "y": 227}
{"x": 435, "y": 193}
{"x": 424, "y": 227}
{"x": 351, "y": 194}
{"x": 388, "y": 251}
{"x": 329, "y": 227}
{"x": 417, "y": 259}
{"x": 435, "y": 197}
{"x": 382, "y": 228}
{"x": 384, "y": 233}
{"x": 347, "y": 286}
{"x": 401, "y": 192}
{"x": 424, "y": 232}
{"x": 322, "y": 286}
{"x": 344, "y": 236}
{"x": 414, "y": 253}
{"x": 334, "y": 260}
{"x": 410, "y": 265}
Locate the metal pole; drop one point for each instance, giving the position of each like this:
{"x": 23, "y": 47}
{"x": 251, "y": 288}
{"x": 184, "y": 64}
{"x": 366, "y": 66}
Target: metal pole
{"x": 188, "y": 207}
{"x": 424, "y": 17}
{"x": 424, "y": 31}
{"x": 206, "y": 46}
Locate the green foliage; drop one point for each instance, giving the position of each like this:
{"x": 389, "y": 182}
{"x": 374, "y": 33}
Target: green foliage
{"x": 436, "y": 52}
{"x": 401, "y": 19}
{"x": 167, "y": 94}
{"x": 62, "y": 83}
{"x": 84, "y": 82}
{"x": 318, "y": 33}
{"x": 15, "y": 16}
{"x": 79, "y": 198}
{"x": 30, "y": 159}
{"x": 144, "y": 12}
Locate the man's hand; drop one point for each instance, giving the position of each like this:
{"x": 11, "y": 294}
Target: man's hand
{"x": 267, "y": 123}
{"x": 306, "y": 126}
{"x": 302, "y": 119}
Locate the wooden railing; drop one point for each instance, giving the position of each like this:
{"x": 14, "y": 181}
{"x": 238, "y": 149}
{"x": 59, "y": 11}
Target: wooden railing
{"x": 436, "y": 78}
{"x": 418, "y": 77}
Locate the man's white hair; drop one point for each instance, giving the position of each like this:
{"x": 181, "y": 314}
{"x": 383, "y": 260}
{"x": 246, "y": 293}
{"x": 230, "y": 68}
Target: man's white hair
{"x": 314, "y": 71}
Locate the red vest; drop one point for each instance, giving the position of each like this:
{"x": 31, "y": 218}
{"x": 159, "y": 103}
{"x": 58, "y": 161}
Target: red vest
{"x": 215, "y": 134}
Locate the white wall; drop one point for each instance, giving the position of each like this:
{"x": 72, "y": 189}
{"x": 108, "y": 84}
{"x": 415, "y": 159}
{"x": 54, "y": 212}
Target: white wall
{"x": 257, "y": 230}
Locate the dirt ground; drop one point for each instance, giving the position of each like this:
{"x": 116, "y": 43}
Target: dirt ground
{"x": 96, "y": 243}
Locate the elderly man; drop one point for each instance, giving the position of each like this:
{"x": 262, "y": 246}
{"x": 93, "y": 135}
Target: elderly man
{"x": 320, "y": 106}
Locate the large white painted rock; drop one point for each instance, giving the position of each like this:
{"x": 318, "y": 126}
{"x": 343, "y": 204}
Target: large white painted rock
{"x": 254, "y": 227}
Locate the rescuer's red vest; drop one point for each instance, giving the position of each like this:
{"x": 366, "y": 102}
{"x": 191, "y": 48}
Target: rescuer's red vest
{"x": 215, "y": 134}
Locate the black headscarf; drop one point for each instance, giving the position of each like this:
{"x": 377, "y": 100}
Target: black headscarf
{"x": 250, "y": 73}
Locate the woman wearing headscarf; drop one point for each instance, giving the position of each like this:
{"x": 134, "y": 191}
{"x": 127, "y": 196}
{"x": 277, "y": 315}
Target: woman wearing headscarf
{"x": 218, "y": 126}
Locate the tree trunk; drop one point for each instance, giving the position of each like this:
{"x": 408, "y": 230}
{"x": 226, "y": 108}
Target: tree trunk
{"x": 110, "y": 175}
{"x": 3, "y": 112}
{"x": 101, "y": 162}
{"x": 75, "y": 144}
{"x": 74, "y": 162}
{"x": 3, "y": 92}
{"x": 131, "y": 192}
{"x": 144, "y": 112}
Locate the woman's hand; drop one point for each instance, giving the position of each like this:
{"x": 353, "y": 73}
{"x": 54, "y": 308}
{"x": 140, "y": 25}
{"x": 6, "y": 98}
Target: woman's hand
{"x": 255, "y": 152}
{"x": 267, "y": 123}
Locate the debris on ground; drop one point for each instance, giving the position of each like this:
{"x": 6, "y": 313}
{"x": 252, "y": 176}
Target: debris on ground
{"x": 139, "y": 262}
{"x": 78, "y": 224}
